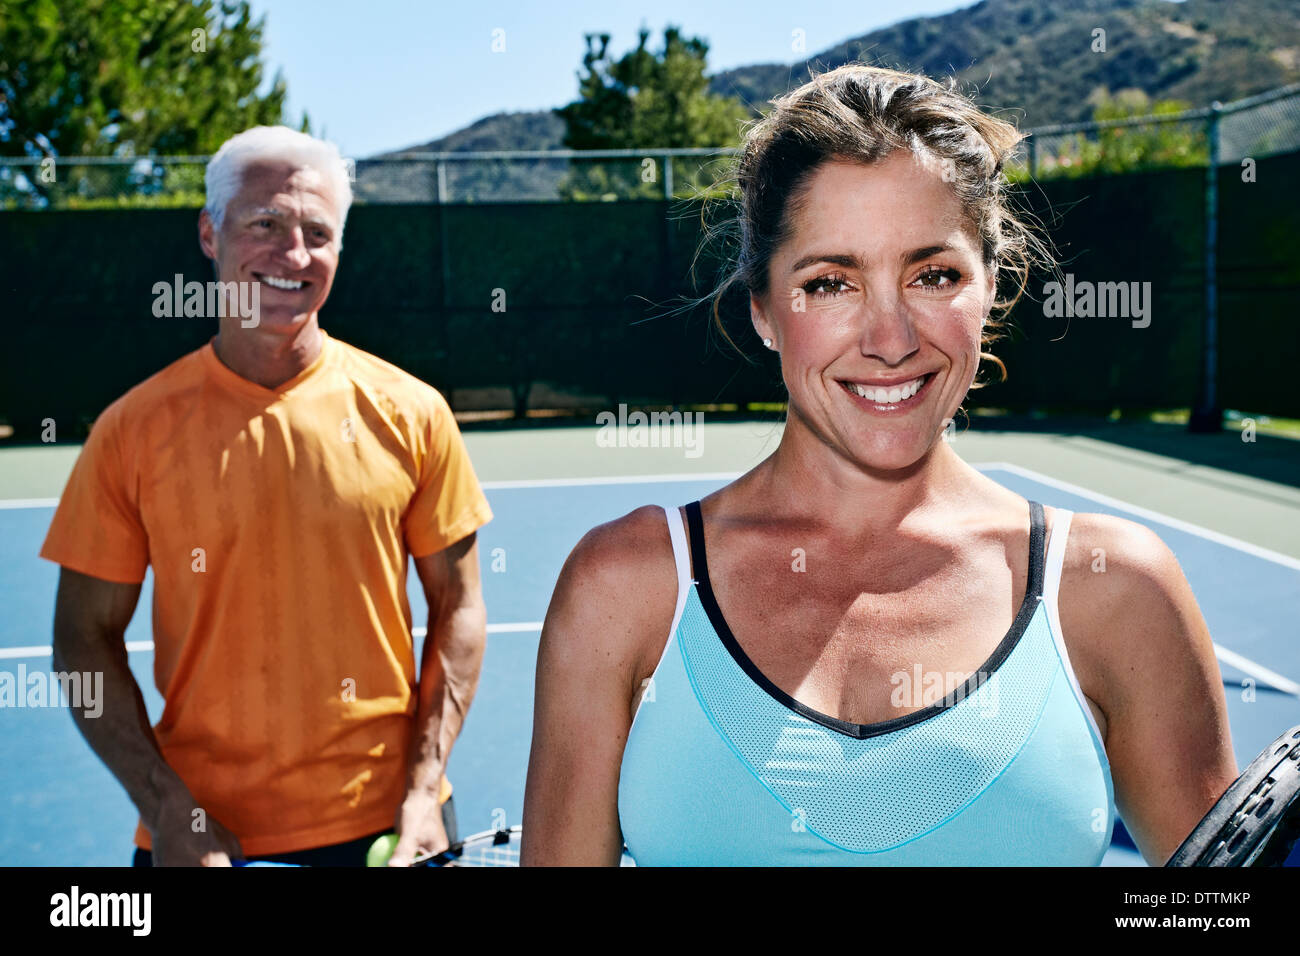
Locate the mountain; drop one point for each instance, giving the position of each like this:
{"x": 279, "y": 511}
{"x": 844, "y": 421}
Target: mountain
{"x": 1031, "y": 58}
{"x": 1036, "y": 58}
{"x": 540, "y": 129}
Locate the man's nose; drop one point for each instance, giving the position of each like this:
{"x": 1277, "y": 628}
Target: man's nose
{"x": 294, "y": 251}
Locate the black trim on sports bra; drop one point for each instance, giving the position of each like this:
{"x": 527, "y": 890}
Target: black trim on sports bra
{"x": 1033, "y": 593}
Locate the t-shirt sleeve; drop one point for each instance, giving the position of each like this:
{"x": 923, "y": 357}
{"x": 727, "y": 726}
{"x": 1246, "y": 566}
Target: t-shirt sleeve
{"x": 97, "y": 528}
{"x": 448, "y": 503}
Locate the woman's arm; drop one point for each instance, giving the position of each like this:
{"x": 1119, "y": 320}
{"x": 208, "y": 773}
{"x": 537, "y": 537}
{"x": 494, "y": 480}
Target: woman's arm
{"x": 1148, "y": 661}
{"x": 606, "y": 625}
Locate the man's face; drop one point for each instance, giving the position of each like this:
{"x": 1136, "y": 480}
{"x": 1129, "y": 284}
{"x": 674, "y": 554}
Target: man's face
{"x": 281, "y": 229}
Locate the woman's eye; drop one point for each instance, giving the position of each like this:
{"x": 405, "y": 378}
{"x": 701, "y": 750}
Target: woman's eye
{"x": 826, "y": 285}
{"x": 934, "y": 278}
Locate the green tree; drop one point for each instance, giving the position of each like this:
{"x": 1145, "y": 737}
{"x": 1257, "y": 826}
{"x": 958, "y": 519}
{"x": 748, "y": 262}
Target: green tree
{"x": 128, "y": 78}
{"x": 645, "y": 99}
{"x": 1124, "y": 149}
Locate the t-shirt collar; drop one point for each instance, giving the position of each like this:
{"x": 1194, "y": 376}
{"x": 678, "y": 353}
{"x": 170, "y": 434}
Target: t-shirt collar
{"x": 230, "y": 379}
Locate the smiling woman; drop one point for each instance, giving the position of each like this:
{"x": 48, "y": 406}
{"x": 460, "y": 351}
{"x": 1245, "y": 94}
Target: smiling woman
{"x": 708, "y": 700}
{"x": 858, "y": 116}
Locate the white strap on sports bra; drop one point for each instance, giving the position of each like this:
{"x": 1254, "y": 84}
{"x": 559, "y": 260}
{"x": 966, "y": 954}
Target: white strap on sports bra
{"x": 1051, "y": 589}
{"x": 1056, "y": 554}
{"x": 682, "y": 555}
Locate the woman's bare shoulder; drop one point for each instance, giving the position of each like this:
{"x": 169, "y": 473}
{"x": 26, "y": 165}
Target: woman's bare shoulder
{"x": 1126, "y": 605}
{"x": 616, "y": 594}
{"x": 1144, "y": 647}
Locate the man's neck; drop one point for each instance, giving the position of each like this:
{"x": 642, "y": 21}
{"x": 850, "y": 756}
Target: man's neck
{"x": 268, "y": 359}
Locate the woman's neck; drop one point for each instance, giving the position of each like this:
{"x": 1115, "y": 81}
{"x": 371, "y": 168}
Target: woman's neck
{"x": 808, "y": 476}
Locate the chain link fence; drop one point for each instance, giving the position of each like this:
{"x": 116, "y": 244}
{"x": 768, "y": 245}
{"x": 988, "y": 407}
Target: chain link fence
{"x": 1253, "y": 128}
{"x": 410, "y": 178}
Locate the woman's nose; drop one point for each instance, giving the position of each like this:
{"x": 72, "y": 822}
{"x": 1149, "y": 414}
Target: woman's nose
{"x": 888, "y": 330}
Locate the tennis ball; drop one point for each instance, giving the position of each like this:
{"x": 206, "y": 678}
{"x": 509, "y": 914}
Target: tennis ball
{"x": 381, "y": 850}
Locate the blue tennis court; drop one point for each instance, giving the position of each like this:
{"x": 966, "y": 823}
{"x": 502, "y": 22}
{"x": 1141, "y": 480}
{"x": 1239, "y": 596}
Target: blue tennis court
{"x": 61, "y": 806}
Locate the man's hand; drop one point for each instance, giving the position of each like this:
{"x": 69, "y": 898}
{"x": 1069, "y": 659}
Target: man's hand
{"x": 90, "y": 619}
{"x": 420, "y": 830}
{"x": 449, "y": 670}
{"x": 186, "y": 835}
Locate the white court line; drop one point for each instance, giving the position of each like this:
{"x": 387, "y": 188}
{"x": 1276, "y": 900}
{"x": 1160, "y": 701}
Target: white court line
{"x": 1248, "y": 666}
{"x": 1231, "y": 658}
{"x": 611, "y": 480}
{"x": 522, "y": 627}
{"x": 1227, "y": 540}
{"x": 493, "y": 485}
{"x": 16, "y": 653}
{"x": 1243, "y": 664}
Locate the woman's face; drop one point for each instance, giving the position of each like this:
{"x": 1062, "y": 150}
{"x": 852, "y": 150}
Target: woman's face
{"x": 879, "y": 288}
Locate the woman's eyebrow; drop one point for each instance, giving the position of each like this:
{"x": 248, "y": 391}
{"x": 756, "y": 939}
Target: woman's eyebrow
{"x": 851, "y": 261}
{"x": 924, "y": 252}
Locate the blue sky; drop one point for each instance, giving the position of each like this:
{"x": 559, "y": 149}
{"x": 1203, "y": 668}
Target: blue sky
{"x": 381, "y": 74}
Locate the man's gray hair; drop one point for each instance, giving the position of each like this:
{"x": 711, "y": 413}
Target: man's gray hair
{"x": 225, "y": 171}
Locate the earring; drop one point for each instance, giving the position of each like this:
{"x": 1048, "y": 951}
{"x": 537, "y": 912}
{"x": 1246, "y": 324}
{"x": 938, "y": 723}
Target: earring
{"x": 767, "y": 343}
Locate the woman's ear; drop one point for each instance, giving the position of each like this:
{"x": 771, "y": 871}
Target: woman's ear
{"x": 762, "y": 324}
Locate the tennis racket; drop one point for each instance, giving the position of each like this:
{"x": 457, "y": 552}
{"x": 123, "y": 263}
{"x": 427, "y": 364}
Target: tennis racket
{"x": 489, "y": 848}
{"x": 1257, "y": 820}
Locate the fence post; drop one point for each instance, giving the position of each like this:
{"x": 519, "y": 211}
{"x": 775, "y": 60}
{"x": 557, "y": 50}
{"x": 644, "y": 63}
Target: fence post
{"x": 668, "y": 176}
{"x": 1207, "y": 417}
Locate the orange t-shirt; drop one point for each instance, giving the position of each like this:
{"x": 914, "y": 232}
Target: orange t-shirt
{"x": 278, "y": 524}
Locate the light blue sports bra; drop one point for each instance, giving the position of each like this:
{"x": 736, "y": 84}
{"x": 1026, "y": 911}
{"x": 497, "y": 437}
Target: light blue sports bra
{"x": 722, "y": 768}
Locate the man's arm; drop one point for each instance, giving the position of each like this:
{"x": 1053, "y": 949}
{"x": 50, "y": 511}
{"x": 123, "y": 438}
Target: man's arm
{"x": 90, "y": 619}
{"x": 449, "y": 673}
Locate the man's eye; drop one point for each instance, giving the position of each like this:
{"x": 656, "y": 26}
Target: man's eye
{"x": 936, "y": 278}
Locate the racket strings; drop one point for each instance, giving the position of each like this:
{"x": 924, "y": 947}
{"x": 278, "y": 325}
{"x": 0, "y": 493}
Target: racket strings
{"x": 492, "y": 848}
{"x": 506, "y": 854}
